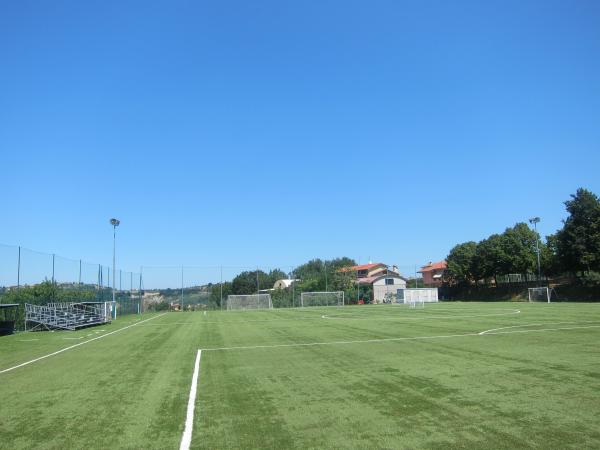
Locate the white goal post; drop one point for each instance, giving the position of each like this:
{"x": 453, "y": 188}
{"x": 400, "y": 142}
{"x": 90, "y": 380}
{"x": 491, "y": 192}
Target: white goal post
{"x": 539, "y": 294}
{"x": 335, "y": 298}
{"x": 251, "y": 301}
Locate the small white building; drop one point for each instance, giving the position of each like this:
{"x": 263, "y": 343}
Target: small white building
{"x": 283, "y": 284}
{"x": 387, "y": 284}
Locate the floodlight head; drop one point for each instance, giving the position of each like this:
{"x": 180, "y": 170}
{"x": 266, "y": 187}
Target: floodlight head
{"x": 534, "y": 220}
{"x": 115, "y": 222}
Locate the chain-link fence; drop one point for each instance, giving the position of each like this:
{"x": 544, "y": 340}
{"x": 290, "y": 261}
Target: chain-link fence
{"x": 28, "y": 276}
{"x": 190, "y": 288}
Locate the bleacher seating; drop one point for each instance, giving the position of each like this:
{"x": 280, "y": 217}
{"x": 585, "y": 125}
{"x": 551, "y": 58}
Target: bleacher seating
{"x": 67, "y": 316}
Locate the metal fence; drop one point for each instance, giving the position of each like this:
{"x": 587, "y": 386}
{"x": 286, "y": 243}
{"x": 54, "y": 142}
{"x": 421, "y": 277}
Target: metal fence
{"x": 511, "y": 278}
{"x": 207, "y": 287}
{"x": 29, "y": 276}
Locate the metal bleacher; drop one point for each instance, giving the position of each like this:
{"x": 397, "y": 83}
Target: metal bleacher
{"x": 66, "y": 316}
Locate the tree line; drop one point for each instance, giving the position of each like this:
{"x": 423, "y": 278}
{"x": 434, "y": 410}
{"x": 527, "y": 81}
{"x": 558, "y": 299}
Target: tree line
{"x": 574, "y": 249}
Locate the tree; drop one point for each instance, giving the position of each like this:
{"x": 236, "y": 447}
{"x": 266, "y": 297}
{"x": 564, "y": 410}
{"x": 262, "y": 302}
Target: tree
{"x": 218, "y": 289}
{"x": 490, "y": 259}
{"x": 318, "y": 275}
{"x": 250, "y": 281}
{"x": 518, "y": 246}
{"x": 461, "y": 263}
{"x": 578, "y": 243}
{"x": 247, "y": 282}
{"x": 550, "y": 261}
{"x": 510, "y": 252}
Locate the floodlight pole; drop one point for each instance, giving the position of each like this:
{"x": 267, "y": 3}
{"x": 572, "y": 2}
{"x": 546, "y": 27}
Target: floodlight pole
{"x": 535, "y": 221}
{"x": 115, "y": 223}
{"x": 182, "y": 289}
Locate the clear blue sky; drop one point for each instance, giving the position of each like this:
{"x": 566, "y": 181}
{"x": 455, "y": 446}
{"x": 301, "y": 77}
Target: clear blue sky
{"x": 271, "y": 132}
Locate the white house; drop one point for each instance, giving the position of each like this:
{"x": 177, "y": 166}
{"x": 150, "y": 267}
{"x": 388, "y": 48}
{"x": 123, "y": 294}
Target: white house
{"x": 378, "y": 275}
{"x": 387, "y": 284}
{"x": 283, "y": 284}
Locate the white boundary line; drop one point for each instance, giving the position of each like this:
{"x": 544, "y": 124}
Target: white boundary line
{"x": 76, "y": 345}
{"x": 186, "y": 439}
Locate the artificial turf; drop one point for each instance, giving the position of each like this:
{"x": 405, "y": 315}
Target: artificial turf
{"x": 371, "y": 377}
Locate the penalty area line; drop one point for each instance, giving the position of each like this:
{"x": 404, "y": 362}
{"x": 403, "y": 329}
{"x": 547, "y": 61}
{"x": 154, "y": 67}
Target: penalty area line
{"x": 362, "y": 341}
{"x": 186, "y": 438}
{"x": 409, "y": 338}
{"x": 76, "y": 345}
{"x": 491, "y": 331}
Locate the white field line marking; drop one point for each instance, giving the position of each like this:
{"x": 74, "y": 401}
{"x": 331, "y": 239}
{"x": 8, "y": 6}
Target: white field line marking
{"x": 510, "y": 313}
{"x": 535, "y": 325}
{"x": 28, "y": 340}
{"x": 186, "y": 439}
{"x": 324, "y": 316}
{"x": 230, "y": 321}
{"x": 76, "y": 345}
{"x": 412, "y": 338}
{"x": 541, "y": 329}
{"x": 363, "y": 341}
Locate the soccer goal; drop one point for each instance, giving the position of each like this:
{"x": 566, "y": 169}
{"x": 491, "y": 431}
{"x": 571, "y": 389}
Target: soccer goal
{"x": 539, "y": 294}
{"x": 253, "y": 301}
{"x": 322, "y": 299}
{"x": 417, "y": 297}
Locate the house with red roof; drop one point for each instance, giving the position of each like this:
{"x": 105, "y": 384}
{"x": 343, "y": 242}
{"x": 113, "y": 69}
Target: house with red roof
{"x": 380, "y": 277}
{"x": 433, "y": 273}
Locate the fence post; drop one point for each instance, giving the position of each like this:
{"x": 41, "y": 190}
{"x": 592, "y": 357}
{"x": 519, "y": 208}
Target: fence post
{"x": 19, "y": 269}
{"x": 182, "y": 288}
{"x": 141, "y": 305}
{"x": 100, "y": 294}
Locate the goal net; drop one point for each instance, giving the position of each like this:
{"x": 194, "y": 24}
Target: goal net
{"x": 539, "y": 294}
{"x": 253, "y": 301}
{"x": 417, "y": 297}
{"x": 322, "y": 299}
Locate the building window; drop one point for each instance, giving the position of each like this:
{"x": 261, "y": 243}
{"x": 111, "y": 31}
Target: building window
{"x": 362, "y": 273}
{"x": 389, "y": 281}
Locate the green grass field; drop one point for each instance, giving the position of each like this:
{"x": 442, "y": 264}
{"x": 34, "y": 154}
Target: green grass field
{"x": 372, "y": 377}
